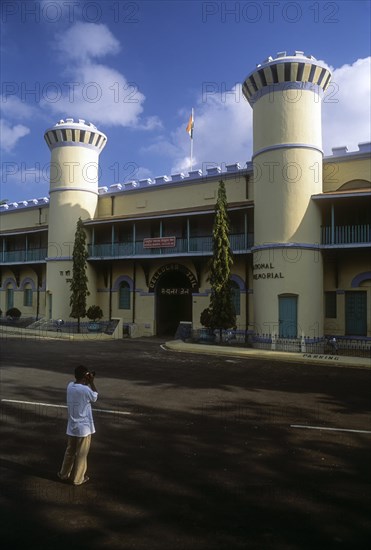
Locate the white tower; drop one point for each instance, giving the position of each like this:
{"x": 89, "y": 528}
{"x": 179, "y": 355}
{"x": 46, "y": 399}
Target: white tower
{"x": 75, "y": 147}
{"x": 285, "y": 94}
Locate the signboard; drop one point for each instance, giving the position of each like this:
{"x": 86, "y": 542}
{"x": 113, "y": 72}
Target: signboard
{"x": 159, "y": 242}
{"x": 168, "y": 268}
{"x": 176, "y": 291}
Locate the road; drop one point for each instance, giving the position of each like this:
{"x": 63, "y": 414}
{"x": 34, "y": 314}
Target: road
{"x": 191, "y": 452}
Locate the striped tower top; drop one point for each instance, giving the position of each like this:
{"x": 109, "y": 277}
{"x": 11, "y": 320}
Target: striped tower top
{"x": 286, "y": 72}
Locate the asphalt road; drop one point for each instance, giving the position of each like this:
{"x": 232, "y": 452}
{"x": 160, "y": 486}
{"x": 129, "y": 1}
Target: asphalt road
{"x": 191, "y": 452}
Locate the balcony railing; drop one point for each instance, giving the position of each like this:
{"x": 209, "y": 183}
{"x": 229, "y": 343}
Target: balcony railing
{"x": 346, "y": 234}
{"x": 22, "y": 256}
{"x": 183, "y": 246}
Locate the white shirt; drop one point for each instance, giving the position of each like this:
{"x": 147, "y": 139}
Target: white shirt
{"x": 80, "y": 417}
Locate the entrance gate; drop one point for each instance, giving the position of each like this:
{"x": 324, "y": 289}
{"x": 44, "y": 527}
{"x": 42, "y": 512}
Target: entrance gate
{"x": 173, "y": 285}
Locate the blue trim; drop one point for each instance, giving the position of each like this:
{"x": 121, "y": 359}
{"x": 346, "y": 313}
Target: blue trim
{"x": 239, "y": 282}
{"x": 26, "y": 281}
{"x": 122, "y": 279}
{"x": 74, "y": 144}
{"x": 304, "y": 246}
{"x": 288, "y": 146}
{"x": 334, "y": 195}
{"x": 358, "y": 279}
{"x": 59, "y": 259}
{"x": 285, "y": 86}
{"x": 9, "y": 281}
{"x": 56, "y": 189}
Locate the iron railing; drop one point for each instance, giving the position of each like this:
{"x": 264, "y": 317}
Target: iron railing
{"x": 358, "y": 346}
{"x": 198, "y": 245}
{"x": 346, "y": 234}
{"x": 26, "y": 255}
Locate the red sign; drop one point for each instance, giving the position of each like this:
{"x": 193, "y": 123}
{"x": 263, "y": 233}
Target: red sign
{"x": 159, "y": 242}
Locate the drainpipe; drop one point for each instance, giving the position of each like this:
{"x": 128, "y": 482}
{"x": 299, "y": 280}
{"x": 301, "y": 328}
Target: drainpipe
{"x": 247, "y": 296}
{"x": 110, "y": 293}
{"x": 37, "y": 296}
{"x": 332, "y": 223}
{"x": 134, "y": 289}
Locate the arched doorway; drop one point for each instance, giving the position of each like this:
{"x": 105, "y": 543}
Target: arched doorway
{"x": 173, "y": 289}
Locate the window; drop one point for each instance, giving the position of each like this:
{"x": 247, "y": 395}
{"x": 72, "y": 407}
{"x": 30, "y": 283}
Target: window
{"x": 236, "y": 297}
{"x": 124, "y": 296}
{"x": 27, "y": 297}
{"x": 330, "y": 305}
{"x": 9, "y": 298}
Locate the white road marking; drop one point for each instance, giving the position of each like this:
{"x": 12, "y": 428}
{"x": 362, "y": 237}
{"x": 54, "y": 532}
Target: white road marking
{"x": 109, "y": 411}
{"x": 329, "y": 429}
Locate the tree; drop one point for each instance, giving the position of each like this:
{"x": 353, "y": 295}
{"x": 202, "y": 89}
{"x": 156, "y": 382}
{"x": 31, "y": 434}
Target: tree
{"x": 220, "y": 314}
{"x": 79, "y": 282}
{"x": 94, "y": 313}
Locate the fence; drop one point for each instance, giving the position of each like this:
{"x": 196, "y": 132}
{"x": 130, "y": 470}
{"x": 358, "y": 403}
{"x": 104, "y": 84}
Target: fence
{"x": 330, "y": 345}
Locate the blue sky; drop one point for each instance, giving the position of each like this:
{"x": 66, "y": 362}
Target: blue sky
{"x": 135, "y": 69}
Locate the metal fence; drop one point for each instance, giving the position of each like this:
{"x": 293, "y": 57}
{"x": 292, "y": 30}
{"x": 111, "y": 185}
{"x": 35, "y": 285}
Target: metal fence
{"x": 328, "y": 345}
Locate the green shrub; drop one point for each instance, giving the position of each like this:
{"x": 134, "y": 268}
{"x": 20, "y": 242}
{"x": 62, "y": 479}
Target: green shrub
{"x": 94, "y": 313}
{"x": 13, "y": 313}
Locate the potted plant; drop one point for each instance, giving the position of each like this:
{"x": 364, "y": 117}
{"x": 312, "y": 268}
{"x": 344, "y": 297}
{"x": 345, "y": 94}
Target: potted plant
{"x": 94, "y": 313}
{"x": 13, "y": 314}
{"x": 207, "y": 321}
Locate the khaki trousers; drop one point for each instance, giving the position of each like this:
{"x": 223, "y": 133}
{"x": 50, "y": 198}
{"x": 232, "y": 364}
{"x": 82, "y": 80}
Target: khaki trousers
{"x": 75, "y": 459}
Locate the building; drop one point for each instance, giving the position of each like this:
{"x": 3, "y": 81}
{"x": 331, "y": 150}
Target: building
{"x": 300, "y": 226}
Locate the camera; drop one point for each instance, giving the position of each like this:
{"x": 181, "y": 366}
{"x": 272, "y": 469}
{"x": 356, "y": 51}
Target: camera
{"x": 92, "y": 373}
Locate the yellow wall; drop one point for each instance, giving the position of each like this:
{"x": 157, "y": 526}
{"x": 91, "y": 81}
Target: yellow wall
{"x": 24, "y": 218}
{"x": 166, "y": 197}
{"x": 336, "y": 173}
{"x": 282, "y": 117}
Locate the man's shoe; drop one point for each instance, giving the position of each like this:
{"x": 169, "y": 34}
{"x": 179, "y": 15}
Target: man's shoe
{"x": 83, "y": 481}
{"x": 62, "y": 478}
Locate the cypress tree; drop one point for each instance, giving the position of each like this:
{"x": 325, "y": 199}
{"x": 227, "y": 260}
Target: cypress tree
{"x": 79, "y": 282}
{"x": 220, "y": 313}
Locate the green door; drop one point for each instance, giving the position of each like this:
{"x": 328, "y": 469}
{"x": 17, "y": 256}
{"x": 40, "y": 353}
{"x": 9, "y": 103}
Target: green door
{"x": 356, "y": 313}
{"x": 288, "y": 316}
{"x": 9, "y": 298}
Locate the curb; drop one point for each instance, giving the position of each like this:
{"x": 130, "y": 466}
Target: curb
{"x": 9, "y": 332}
{"x": 307, "y": 358}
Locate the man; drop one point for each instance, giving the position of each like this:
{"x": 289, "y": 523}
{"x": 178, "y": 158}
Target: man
{"x": 80, "y": 426}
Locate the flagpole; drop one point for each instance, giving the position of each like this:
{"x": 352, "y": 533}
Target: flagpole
{"x": 192, "y": 141}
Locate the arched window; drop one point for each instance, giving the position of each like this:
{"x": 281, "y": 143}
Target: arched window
{"x": 236, "y": 297}
{"x": 124, "y": 296}
{"x": 27, "y": 296}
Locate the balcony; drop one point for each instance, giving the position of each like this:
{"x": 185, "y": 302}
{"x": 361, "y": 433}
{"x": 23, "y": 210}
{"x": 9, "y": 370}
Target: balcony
{"x": 200, "y": 246}
{"x": 31, "y": 255}
{"x": 346, "y": 235}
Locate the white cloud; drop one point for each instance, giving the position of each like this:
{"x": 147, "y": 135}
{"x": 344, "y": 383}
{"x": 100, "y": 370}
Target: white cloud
{"x": 97, "y": 92}
{"x": 101, "y": 95}
{"x": 85, "y": 41}
{"x": 10, "y": 135}
{"x": 13, "y": 107}
{"x": 223, "y": 122}
{"x": 222, "y": 133}
{"x": 346, "y": 107}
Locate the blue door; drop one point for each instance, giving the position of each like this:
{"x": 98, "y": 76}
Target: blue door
{"x": 288, "y": 316}
{"x": 9, "y": 298}
{"x": 356, "y": 313}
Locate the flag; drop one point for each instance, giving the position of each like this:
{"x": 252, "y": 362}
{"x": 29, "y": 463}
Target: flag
{"x": 190, "y": 126}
